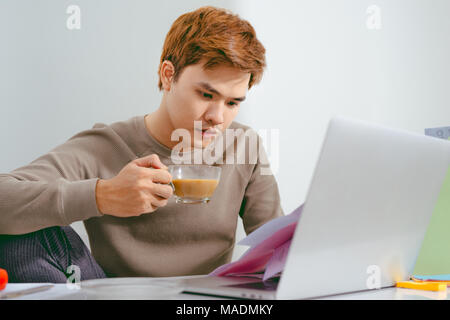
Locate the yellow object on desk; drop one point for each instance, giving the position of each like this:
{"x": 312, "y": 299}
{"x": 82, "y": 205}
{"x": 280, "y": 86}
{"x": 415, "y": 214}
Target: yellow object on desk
{"x": 425, "y": 285}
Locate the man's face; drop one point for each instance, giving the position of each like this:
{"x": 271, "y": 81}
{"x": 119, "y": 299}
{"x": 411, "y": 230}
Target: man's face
{"x": 212, "y": 97}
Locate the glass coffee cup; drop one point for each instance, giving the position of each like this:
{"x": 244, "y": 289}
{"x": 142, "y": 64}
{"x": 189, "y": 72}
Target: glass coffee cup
{"x": 194, "y": 183}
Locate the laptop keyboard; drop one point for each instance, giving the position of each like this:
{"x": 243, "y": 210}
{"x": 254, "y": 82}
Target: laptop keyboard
{"x": 268, "y": 285}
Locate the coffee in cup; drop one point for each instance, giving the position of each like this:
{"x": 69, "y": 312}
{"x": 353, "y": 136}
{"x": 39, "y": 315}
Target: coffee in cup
{"x": 194, "y": 183}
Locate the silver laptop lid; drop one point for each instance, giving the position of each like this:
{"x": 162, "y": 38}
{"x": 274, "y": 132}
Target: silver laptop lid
{"x": 367, "y": 209}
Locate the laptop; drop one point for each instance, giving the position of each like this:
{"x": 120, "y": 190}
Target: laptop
{"x": 367, "y": 209}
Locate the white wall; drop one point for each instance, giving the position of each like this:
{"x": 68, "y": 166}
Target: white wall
{"x": 56, "y": 82}
{"x": 322, "y": 60}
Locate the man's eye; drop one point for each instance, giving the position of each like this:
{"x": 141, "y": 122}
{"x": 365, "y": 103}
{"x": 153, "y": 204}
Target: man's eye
{"x": 207, "y": 95}
{"x": 232, "y": 103}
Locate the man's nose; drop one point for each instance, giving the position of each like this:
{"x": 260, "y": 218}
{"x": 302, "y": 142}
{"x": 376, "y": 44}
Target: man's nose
{"x": 214, "y": 114}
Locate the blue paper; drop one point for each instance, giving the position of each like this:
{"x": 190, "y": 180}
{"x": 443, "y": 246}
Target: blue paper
{"x": 438, "y": 277}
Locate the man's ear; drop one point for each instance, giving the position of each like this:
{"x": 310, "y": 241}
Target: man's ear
{"x": 167, "y": 74}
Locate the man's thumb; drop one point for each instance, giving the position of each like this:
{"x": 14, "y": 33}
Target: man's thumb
{"x": 150, "y": 161}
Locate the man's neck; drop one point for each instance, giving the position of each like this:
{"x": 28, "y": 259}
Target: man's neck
{"x": 159, "y": 126}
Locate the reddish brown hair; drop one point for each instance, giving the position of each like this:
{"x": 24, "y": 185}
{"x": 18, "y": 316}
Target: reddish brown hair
{"x": 216, "y": 36}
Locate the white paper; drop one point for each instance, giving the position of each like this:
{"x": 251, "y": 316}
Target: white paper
{"x": 270, "y": 228}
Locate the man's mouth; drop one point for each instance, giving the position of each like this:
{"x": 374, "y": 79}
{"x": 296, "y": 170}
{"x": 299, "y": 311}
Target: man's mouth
{"x": 209, "y": 133}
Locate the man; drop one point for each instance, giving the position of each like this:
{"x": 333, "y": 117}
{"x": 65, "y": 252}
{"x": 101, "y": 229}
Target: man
{"x": 115, "y": 178}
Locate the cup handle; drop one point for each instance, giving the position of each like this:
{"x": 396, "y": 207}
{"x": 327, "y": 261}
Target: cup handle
{"x": 171, "y": 184}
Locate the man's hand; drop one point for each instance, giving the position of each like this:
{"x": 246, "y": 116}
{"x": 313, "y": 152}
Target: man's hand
{"x": 140, "y": 187}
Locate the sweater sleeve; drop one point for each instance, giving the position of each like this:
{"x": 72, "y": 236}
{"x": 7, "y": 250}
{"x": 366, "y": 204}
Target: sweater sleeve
{"x": 261, "y": 202}
{"x": 58, "y": 188}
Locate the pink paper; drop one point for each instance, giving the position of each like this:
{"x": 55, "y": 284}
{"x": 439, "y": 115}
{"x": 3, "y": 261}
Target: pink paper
{"x": 256, "y": 258}
{"x": 277, "y": 261}
{"x": 251, "y": 264}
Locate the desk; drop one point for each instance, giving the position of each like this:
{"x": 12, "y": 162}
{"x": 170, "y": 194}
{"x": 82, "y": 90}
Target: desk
{"x": 151, "y": 289}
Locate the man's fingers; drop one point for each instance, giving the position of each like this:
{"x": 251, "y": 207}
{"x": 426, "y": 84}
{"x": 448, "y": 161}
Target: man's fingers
{"x": 151, "y": 161}
{"x": 163, "y": 191}
{"x": 161, "y": 176}
{"x": 159, "y": 202}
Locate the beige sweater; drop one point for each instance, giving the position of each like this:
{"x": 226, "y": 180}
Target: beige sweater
{"x": 58, "y": 188}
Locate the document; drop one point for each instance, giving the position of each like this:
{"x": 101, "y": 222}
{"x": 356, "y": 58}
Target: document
{"x": 277, "y": 261}
{"x": 268, "y": 250}
{"x": 269, "y": 228}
